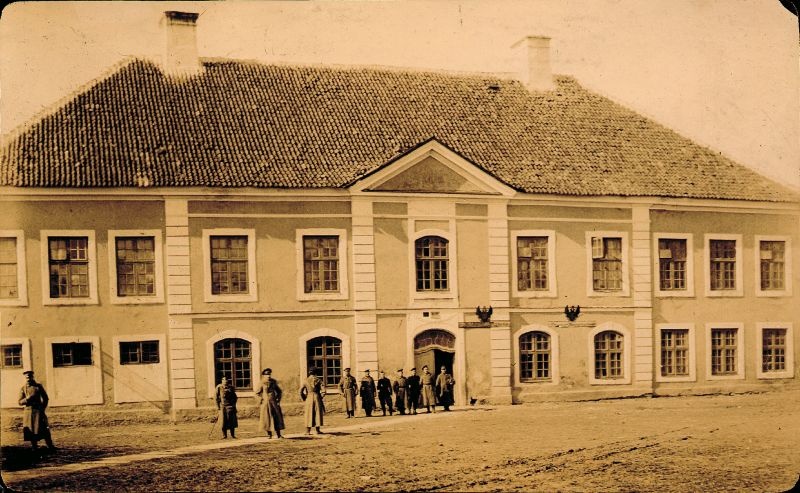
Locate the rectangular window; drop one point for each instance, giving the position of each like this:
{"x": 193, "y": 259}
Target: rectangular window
{"x": 672, "y": 264}
{"x": 772, "y": 255}
{"x": 532, "y": 268}
{"x": 8, "y": 268}
{"x": 68, "y": 260}
{"x": 136, "y": 266}
{"x": 722, "y": 258}
{"x": 229, "y": 268}
{"x": 674, "y": 352}
{"x": 534, "y": 357}
{"x": 607, "y": 264}
{"x": 773, "y": 350}
{"x": 432, "y": 263}
{"x": 321, "y": 264}
{"x": 72, "y": 354}
{"x": 138, "y": 353}
{"x": 724, "y": 349}
{"x": 12, "y": 356}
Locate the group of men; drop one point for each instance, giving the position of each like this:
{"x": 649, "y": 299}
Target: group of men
{"x": 410, "y": 393}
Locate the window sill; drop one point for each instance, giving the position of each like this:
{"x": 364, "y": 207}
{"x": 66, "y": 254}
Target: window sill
{"x": 724, "y": 294}
{"x": 616, "y": 381}
{"x": 136, "y": 300}
{"x": 69, "y": 301}
{"x": 230, "y": 298}
{"x": 775, "y": 375}
{"x": 773, "y": 294}
{"x": 608, "y": 294}
{"x": 725, "y": 377}
{"x": 14, "y": 302}
{"x": 689, "y": 378}
{"x": 534, "y": 294}
{"x": 322, "y": 296}
{"x": 673, "y": 294}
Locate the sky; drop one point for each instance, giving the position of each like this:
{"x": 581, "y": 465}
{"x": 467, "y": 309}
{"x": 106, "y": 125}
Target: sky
{"x": 725, "y": 73}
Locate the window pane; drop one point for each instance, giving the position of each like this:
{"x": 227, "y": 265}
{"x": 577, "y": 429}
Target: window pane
{"x": 229, "y": 265}
{"x": 432, "y": 263}
{"x": 12, "y": 356}
{"x": 136, "y": 266}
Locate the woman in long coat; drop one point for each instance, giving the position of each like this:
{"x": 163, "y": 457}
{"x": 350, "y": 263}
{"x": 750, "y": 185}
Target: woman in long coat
{"x": 269, "y": 395}
{"x": 226, "y": 403}
{"x": 311, "y": 393}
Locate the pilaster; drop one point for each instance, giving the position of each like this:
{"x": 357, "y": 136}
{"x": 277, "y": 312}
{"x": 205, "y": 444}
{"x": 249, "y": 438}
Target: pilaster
{"x": 366, "y": 325}
{"x": 642, "y": 296}
{"x": 499, "y": 298}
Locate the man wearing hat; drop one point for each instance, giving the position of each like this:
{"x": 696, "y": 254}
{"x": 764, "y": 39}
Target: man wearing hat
{"x": 444, "y": 388}
{"x": 414, "y": 389}
{"x": 348, "y": 388}
{"x": 428, "y": 395}
{"x": 226, "y": 404}
{"x": 385, "y": 393}
{"x": 401, "y": 392}
{"x": 34, "y": 420}
{"x": 311, "y": 392}
{"x": 367, "y": 393}
{"x": 269, "y": 398}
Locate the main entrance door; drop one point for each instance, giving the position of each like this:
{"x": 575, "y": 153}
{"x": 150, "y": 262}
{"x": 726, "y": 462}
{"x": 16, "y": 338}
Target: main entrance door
{"x": 435, "y": 348}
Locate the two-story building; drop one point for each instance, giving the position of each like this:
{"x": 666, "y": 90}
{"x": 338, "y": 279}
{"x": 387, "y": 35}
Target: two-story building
{"x": 175, "y": 222}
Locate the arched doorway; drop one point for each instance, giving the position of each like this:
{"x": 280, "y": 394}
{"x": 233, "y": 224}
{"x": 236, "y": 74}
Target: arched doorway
{"x": 434, "y": 348}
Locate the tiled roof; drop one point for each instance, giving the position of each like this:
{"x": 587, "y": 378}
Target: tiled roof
{"x": 246, "y": 124}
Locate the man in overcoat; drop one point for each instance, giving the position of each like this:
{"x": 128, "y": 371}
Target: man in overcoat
{"x": 226, "y": 399}
{"x": 35, "y": 426}
{"x": 414, "y": 389}
{"x": 385, "y": 393}
{"x": 428, "y": 394}
{"x": 367, "y": 393}
{"x": 444, "y": 388}
{"x": 348, "y": 387}
{"x": 269, "y": 394}
{"x": 311, "y": 393}
{"x": 400, "y": 387}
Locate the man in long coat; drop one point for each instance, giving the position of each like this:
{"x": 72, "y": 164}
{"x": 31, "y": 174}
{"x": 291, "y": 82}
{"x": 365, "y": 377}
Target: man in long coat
{"x": 414, "y": 389}
{"x": 311, "y": 393}
{"x": 226, "y": 403}
{"x": 269, "y": 395}
{"x": 400, "y": 387}
{"x": 444, "y": 388}
{"x": 348, "y": 387}
{"x": 428, "y": 394}
{"x": 35, "y": 426}
{"x": 385, "y": 393}
{"x": 367, "y": 393}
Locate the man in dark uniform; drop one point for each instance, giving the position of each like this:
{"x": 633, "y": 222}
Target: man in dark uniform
{"x": 348, "y": 388}
{"x": 414, "y": 389}
{"x": 367, "y": 393}
{"x": 385, "y": 393}
{"x": 226, "y": 404}
{"x": 444, "y": 388}
{"x": 35, "y": 426}
{"x": 401, "y": 392}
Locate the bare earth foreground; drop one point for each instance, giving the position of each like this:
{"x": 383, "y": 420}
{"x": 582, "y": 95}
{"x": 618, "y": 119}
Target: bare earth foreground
{"x": 740, "y": 442}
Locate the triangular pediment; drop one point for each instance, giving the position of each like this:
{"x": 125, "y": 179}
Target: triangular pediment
{"x": 432, "y": 168}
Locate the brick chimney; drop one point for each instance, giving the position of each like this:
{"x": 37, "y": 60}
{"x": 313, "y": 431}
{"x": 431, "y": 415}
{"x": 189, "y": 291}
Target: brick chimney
{"x": 533, "y": 57}
{"x": 180, "y": 55}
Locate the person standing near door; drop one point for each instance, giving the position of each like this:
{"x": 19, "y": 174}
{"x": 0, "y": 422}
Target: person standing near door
{"x": 35, "y": 426}
{"x": 414, "y": 389}
{"x": 385, "y": 393}
{"x": 226, "y": 404}
{"x": 311, "y": 393}
{"x": 269, "y": 394}
{"x": 401, "y": 392}
{"x": 367, "y": 393}
{"x": 444, "y": 388}
{"x": 348, "y": 388}
{"x": 428, "y": 394}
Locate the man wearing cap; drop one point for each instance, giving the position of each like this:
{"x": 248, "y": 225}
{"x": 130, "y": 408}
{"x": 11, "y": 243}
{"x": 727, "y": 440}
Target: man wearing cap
{"x": 414, "y": 388}
{"x": 428, "y": 395}
{"x": 444, "y": 388}
{"x": 269, "y": 398}
{"x": 385, "y": 393}
{"x": 367, "y": 393}
{"x": 348, "y": 388}
{"x": 226, "y": 404}
{"x": 34, "y": 420}
{"x": 401, "y": 392}
{"x": 311, "y": 393}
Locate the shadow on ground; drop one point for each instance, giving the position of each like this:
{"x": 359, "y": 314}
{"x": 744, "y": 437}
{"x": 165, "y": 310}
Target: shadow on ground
{"x": 18, "y": 458}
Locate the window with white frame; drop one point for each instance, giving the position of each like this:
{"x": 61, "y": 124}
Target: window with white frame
{"x": 608, "y": 355}
{"x": 534, "y": 268}
{"x": 432, "y": 263}
{"x": 674, "y": 265}
{"x": 775, "y": 350}
{"x": 72, "y": 354}
{"x": 139, "y": 352}
{"x": 724, "y": 348}
{"x": 135, "y": 262}
{"x": 773, "y": 266}
{"x": 233, "y": 360}
{"x": 70, "y": 276}
{"x": 230, "y": 265}
{"x": 674, "y": 352}
{"x": 321, "y": 264}
{"x": 12, "y": 356}
{"x": 607, "y": 272}
{"x": 9, "y": 268}
{"x": 535, "y": 357}
{"x": 723, "y": 266}
{"x": 324, "y": 354}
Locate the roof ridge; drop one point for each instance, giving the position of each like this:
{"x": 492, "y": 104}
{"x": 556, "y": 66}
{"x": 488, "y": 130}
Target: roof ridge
{"x": 53, "y": 107}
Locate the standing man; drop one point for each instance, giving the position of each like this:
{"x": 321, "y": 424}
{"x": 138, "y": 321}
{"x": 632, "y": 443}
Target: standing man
{"x": 311, "y": 393}
{"x": 444, "y": 388}
{"x": 226, "y": 404}
{"x": 428, "y": 395}
{"x": 367, "y": 393}
{"x": 414, "y": 389}
{"x": 348, "y": 388}
{"x": 34, "y": 420}
{"x": 269, "y": 398}
{"x": 401, "y": 392}
{"x": 385, "y": 393}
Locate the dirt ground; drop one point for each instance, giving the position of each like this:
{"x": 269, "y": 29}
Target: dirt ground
{"x": 716, "y": 443}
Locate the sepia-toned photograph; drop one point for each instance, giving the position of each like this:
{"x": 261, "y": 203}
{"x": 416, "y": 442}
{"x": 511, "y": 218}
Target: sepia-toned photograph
{"x": 457, "y": 245}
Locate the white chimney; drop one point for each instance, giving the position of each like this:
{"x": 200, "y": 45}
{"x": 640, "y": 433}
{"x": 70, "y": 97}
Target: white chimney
{"x": 180, "y": 57}
{"x": 533, "y": 56}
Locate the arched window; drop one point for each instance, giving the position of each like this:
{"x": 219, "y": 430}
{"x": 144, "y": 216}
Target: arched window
{"x": 233, "y": 360}
{"x": 534, "y": 357}
{"x": 325, "y": 355}
{"x": 608, "y": 353}
{"x": 432, "y": 263}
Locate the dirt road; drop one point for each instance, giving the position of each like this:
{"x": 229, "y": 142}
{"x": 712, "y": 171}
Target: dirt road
{"x": 742, "y": 442}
